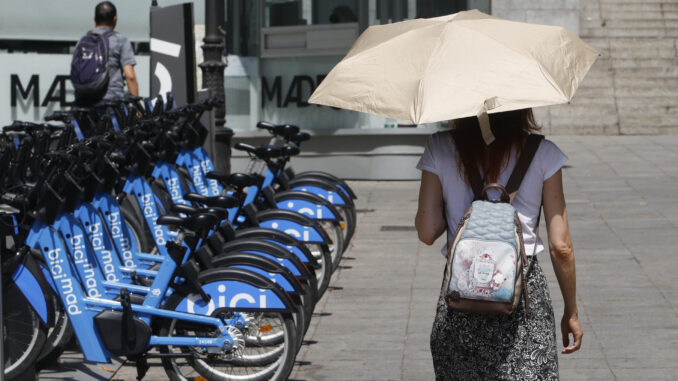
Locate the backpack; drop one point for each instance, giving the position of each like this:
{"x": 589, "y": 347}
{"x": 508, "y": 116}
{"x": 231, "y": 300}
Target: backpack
{"x": 486, "y": 269}
{"x": 89, "y": 66}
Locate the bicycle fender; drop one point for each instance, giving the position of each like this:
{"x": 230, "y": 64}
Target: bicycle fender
{"x": 271, "y": 250}
{"x": 308, "y": 204}
{"x": 294, "y": 224}
{"x": 282, "y": 239}
{"x": 26, "y": 276}
{"x": 341, "y": 184}
{"x": 265, "y": 267}
{"x": 329, "y": 192}
{"x": 236, "y": 289}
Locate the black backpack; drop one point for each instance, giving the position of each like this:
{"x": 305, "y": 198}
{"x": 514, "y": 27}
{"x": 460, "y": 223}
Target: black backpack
{"x": 89, "y": 66}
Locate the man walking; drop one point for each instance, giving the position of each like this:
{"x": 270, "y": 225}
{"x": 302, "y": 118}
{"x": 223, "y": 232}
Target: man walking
{"x": 120, "y": 60}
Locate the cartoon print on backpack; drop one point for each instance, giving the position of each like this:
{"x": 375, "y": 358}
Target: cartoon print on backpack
{"x": 478, "y": 274}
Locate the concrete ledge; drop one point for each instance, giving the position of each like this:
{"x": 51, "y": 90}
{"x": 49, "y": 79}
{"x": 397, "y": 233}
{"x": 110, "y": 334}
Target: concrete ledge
{"x": 361, "y": 154}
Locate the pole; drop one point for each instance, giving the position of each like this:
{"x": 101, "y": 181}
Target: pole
{"x": 213, "y": 51}
{"x": 213, "y": 79}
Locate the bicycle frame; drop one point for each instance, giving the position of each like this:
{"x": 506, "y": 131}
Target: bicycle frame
{"x": 82, "y": 309}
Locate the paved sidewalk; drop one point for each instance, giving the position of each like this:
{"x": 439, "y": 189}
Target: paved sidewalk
{"x": 622, "y": 202}
{"x": 622, "y": 195}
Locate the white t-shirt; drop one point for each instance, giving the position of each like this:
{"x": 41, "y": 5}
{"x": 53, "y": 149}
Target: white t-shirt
{"x": 440, "y": 158}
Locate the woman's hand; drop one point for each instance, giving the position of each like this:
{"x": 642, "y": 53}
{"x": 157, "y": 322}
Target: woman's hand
{"x": 570, "y": 325}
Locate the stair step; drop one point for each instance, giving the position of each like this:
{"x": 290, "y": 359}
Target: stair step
{"x": 634, "y": 2}
{"x": 630, "y": 7}
{"x": 629, "y": 32}
{"x": 573, "y": 110}
{"x": 663, "y": 112}
{"x": 595, "y": 79}
{"x": 642, "y": 48}
{"x": 647, "y": 102}
{"x": 642, "y": 62}
{"x": 648, "y": 120}
{"x": 615, "y": 14}
{"x": 623, "y": 91}
{"x": 636, "y": 82}
{"x": 594, "y": 94}
{"x": 642, "y": 72}
{"x": 634, "y": 24}
{"x": 590, "y": 129}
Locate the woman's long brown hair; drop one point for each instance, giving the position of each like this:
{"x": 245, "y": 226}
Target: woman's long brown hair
{"x": 509, "y": 129}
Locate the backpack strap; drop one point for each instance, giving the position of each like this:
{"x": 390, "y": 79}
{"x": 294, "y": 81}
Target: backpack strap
{"x": 523, "y": 163}
{"x": 472, "y": 174}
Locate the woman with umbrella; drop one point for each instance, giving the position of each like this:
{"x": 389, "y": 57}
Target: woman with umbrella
{"x": 520, "y": 346}
{"x": 463, "y": 67}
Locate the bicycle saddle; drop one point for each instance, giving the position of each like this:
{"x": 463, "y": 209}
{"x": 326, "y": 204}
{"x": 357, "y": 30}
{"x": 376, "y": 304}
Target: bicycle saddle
{"x": 214, "y": 201}
{"x": 285, "y": 131}
{"x": 290, "y": 150}
{"x": 221, "y": 213}
{"x": 62, "y": 116}
{"x": 300, "y": 137}
{"x": 262, "y": 152}
{"x": 197, "y": 222}
{"x": 235, "y": 179}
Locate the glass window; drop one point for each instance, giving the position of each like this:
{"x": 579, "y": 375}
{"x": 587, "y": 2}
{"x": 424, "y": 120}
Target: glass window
{"x": 434, "y": 8}
{"x": 335, "y": 11}
{"x": 308, "y": 12}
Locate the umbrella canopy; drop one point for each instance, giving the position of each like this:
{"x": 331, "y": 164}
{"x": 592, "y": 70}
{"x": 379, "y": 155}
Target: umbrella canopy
{"x": 429, "y": 70}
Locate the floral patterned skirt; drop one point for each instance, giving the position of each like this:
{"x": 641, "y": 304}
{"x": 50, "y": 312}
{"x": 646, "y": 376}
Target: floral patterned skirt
{"x": 467, "y": 346}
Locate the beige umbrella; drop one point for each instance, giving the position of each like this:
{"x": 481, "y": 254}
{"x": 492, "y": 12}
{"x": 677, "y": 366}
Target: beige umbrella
{"x": 455, "y": 66}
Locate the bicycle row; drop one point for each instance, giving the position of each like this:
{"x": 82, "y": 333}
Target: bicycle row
{"x": 118, "y": 232}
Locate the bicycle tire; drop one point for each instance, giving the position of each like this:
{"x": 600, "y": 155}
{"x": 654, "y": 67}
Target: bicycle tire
{"x": 136, "y": 229}
{"x": 336, "y": 234}
{"x": 58, "y": 337}
{"x": 23, "y": 336}
{"x": 324, "y": 273}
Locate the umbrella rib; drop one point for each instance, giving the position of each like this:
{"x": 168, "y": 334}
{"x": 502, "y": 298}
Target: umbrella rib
{"x": 418, "y": 105}
{"x": 347, "y": 59}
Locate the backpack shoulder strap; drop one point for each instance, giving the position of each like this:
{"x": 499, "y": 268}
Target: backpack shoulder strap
{"x": 472, "y": 174}
{"x": 523, "y": 163}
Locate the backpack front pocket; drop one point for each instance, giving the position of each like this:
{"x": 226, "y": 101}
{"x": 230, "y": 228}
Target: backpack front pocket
{"x": 483, "y": 270}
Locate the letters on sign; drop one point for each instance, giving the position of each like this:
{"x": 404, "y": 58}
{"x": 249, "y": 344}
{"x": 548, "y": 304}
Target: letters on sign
{"x": 298, "y": 92}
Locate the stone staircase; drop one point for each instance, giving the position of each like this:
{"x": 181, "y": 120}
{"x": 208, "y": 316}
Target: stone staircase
{"x": 633, "y": 87}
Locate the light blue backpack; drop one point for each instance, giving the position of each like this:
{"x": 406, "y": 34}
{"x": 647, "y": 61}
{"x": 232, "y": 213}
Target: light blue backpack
{"x": 487, "y": 267}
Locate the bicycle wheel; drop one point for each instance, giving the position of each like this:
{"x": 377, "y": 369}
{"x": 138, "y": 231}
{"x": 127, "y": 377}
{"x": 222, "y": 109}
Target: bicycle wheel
{"x": 266, "y": 351}
{"x": 23, "y": 335}
{"x": 270, "y": 358}
{"x": 137, "y": 232}
{"x": 335, "y": 233}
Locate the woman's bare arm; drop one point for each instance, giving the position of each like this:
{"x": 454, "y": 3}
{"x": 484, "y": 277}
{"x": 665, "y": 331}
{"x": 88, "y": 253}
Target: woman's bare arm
{"x": 562, "y": 256}
{"x": 430, "y": 221}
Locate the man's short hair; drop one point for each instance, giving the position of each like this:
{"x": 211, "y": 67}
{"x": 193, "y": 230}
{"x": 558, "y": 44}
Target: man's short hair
{"x": 104, "y": 13}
